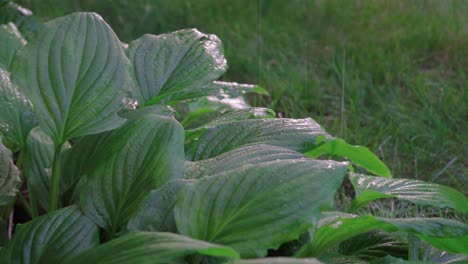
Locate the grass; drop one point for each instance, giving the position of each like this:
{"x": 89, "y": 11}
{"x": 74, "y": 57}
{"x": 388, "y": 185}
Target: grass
{"x": 390, "y": 75}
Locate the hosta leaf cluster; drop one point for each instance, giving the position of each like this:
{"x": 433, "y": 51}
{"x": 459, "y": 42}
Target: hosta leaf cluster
{"x": 137, "y": 153}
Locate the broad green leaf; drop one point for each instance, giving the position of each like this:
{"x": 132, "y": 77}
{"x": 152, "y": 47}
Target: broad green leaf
{"x": 198, "y": 116}
{"x": 151, "y": 247}
{"x": 77, "y": 159}
{"x": 37, "y": 156}
{"x": 370, "y": 188}
{"x": 362, "y": 156}
{"x": 155, "y": 213}
{"x": 444, "y": 234}
{"x": 373, "y": 245}
{"x": 210, "y": 111}
{"x": 20, "y": 16}
{"x": 161, "y": 110}
{"x": 140, "y": 156}
{"x": 225, "y": 101}
{"x": 295, "y": 134}
{"x": 17, "y": 117}
{"x": 11, "y": 41}
{"x": 278, "y": 260}
{"x": 251, "y": 154}
{"x": 9, "y": 176}
{"x": 51, "y": 238}
{"x": 240, "y": 115}
{"x": 74, "y": 70}
{"x": 220, "y": 102}
{"x": 235, "y": 89}
{"x": 176, "y": 65}
{"x": 222, "y": 96}
{"x": 258, "y": 207}
{"x": 230, "y": 116}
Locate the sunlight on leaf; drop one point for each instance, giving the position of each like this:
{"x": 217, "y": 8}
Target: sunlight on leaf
{"x": 362, "y": 156}
{"x": 370, "y": 188}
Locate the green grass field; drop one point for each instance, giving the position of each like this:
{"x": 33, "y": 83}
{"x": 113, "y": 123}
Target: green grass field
{"x": 390, "y": 75}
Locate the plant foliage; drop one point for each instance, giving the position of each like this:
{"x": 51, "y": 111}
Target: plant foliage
{"x": 138, "y": 154}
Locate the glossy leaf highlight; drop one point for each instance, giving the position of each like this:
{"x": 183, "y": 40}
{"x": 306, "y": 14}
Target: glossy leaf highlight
{"x": 74, "y": 71}
{"x": 11, "y": 41}
{"x": 362, "y": 156}
{"x": 176, "y": 65}
{"x": 258, "y": 207}
{"x": 444, "y": 234}
{"x": 370, "y": 188}
{"x": 17, "y": 117}
{"x": 251, "y": 154}
{"x": 9, "y": 176}
{"x": 295, "y": 134}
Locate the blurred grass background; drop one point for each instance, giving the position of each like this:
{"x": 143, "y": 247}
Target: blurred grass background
{"x": 390, "y": 74}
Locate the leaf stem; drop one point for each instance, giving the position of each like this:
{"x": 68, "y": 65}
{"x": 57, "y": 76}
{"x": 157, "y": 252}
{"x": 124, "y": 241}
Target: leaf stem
{"x": 25, "y": 203}
{"x": 55, "y": 180}
{"x": 31, "y": 206}
{"x": 11, "y": 223}
{"x": 32, "y": 200}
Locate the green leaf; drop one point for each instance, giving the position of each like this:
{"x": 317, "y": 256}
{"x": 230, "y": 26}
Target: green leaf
{"x": 235, "y": 89}
{"x": 75, "y": 161}
{"x": 443, "y": 257}
{"x": 294, "y": 134}
{"x": 229, "y": 116}
{"x": 9, "y": 176}
{"x": 176, "y": 65}
{"x": 161, "y": 110}
{"x": 74, "y": 70}
{"x": 252, "y": 154}
{"x": 11, "y": 41}
{"x": 279, "y": 260}
{"x": 210, "y": 111}
{"x": 258, "y": 207}
{"x": 444, "y": 234}
{"x": 155, "y": 213}
{"x": 140, "y": 156}
{"x": 240, "y": 115}
{"x": 369, "y": 188}
{"x": 51, "y": 238}
{"x": 151, "y": 247}
{"x": 372, "y": 245}
{"x": 225, "y": 101}
{"x": 37, "y": 157}
{"x": 220, "y": 102}
{"x": 20, "y": 16}
{"x": 362, "y": 156}
{"x": 198, "y": 116}
{"x": 17, "y": 117}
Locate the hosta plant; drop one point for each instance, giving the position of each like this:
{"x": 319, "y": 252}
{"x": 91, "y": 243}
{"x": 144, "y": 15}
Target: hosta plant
{"x": 137, "y": 153}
